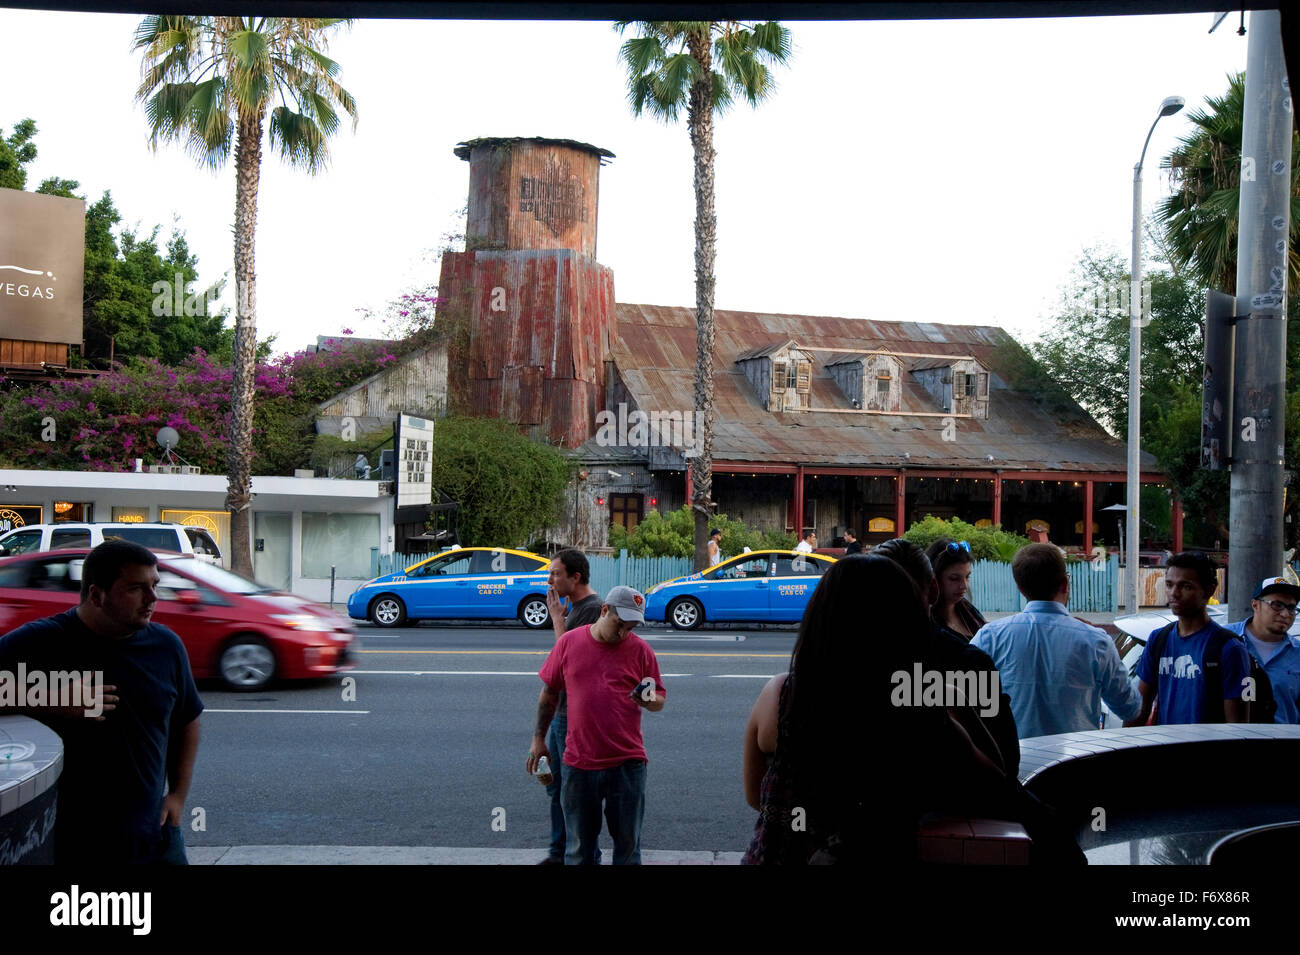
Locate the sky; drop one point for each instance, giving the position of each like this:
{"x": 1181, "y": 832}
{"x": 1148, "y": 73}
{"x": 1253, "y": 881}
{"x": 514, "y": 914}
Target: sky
{"x": 940, "y": 171}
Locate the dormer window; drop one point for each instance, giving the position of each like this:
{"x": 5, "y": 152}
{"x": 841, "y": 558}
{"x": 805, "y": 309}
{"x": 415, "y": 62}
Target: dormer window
{"x": 882, "y": 386}
{"x": 781, "y": 375}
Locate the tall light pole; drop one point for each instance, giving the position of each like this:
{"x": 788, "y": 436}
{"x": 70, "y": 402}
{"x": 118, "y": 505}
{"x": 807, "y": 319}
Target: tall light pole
{"x": 1171, "y": 105}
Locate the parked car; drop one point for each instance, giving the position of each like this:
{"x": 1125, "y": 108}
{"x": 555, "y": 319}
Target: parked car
{"x": 475, "y": 583}
{"x": 762, "y": 586}
{"x": 233, "y": 629}
{"x": 155, "y": 536}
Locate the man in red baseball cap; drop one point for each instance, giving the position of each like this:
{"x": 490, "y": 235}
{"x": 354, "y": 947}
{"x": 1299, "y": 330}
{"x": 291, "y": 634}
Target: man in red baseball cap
{"x": 609, "y": 675}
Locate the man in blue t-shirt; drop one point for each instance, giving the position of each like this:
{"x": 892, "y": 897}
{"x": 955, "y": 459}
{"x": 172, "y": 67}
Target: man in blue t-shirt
{"x": 1267, "y": 639}
{"x": 127, "y": 762}
{"x": 1178, "y": 679}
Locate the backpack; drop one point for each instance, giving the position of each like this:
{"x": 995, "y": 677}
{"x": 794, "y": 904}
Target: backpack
{"x": 1262, "y": 709}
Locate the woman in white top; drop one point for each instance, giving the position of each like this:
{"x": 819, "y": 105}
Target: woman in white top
{"x": 715, "y": 552}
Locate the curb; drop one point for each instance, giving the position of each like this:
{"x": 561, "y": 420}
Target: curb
{"x": 421, "y": 855}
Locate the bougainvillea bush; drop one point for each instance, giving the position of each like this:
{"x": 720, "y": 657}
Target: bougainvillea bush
{"x": 106, "y": 422}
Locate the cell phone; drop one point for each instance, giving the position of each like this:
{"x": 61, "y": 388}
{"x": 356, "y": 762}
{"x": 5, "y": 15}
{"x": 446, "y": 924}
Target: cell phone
{"x": 641, "y": 685}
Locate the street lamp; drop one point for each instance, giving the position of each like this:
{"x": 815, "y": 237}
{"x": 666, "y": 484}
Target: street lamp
{"x": 1171, "y": 105}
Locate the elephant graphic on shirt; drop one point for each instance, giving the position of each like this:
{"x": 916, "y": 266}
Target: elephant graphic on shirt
{"x": 1166, "y": 664}
{"x": 1192, "y": 671}
{"x": 1182, "y": 663}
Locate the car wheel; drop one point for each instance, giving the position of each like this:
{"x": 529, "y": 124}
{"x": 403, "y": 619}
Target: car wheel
{"x": 533, "y": 613}
{"x": 686, "y": 613}
{"x": 247, "y": 663}
{"x": 388, "y": 611}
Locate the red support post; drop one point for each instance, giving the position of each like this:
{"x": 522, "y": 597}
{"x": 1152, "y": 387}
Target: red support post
{"x": 1087, "y": 517}
{"x": 690, "y": 492}
{"x": 900, "y": 503}
{"x": 997, "y": 499}
{"x": 798, "y": 502}
{"x": 1176, "y": 522}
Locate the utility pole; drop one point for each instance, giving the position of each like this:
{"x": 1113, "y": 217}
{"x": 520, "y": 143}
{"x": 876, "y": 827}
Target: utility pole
{"x": 1259, "y": 402}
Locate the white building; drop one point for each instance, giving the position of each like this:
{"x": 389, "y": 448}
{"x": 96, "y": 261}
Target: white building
{"x": 301, "y": 526}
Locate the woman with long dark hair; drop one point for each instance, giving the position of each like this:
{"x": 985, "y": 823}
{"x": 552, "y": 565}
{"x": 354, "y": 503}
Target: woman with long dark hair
{"x": 818, "y": 735}
{"x": 953, "y": 612}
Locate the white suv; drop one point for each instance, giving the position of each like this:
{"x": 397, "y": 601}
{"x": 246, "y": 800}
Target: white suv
{"x": 175, "y": 537}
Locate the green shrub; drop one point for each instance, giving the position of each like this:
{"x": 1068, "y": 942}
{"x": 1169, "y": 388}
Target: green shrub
{"x": 986, "y": 543}
{"x": 674, "y": 536}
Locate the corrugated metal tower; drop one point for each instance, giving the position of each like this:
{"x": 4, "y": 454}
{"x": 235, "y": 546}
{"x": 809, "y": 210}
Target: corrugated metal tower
{"x": 530, "y": 309}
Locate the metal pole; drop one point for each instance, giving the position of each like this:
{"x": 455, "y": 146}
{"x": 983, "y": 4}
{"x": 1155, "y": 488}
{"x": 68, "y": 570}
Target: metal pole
{"x": 1133, "y": 489}
{"x": 1171, "y": 105}
{"x": 1255, "y": 542}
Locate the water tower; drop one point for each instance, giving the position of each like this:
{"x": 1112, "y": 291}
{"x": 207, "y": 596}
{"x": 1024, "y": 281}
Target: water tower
{"x": 530, "y": 310}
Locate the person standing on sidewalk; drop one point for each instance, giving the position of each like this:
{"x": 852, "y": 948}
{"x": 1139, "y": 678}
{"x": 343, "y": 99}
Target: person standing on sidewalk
{"x": 1193, "y": 670}
{"x": 570, "y": 579}
{"x": 1057, "y": 670}
{"x": 609, "y": 675}
{"x": 1268, "y": 641}
{"x": 126, "y": 771}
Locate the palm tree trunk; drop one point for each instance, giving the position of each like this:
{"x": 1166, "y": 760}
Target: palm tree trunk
{"x": 700, "y": 125}
{"x": 248, "y": 168}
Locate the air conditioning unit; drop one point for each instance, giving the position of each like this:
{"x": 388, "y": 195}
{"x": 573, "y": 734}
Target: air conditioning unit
{"x": 174, "y": 469}
{"x": 386, "y": 488}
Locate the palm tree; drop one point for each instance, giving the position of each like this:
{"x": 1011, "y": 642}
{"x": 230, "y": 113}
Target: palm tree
{"x": 208, "y": 80}
{"x": 1200, "y": 218}
{"x": 702, "y": 65}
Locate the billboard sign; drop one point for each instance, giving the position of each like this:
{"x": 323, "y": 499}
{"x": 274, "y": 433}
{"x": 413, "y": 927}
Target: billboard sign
{"x": 42, "y": 265}
{"x": 414, "y": 459}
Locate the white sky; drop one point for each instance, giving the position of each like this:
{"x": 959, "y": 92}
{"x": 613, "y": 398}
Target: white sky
{"x": 932, "y": 171}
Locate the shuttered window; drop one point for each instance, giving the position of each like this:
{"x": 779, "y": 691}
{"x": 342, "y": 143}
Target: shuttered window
{"x": 958, "y": 384}
{"x": 984, "y": 385}
{"x": 778, "y": 376}
{"x": 805, "y": 377}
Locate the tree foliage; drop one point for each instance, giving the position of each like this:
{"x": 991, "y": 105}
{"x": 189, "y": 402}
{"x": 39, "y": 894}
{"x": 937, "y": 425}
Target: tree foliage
{"x": 508, "y": 485}
{"x": 673, "y": 536}
{"x": 15, "y": 153}
{"x": 103, "y": 423}
{"x": 1199, "y": 220}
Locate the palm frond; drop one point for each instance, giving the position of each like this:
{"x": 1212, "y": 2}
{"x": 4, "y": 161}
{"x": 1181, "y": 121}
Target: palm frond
{"x": 301, "y": 141}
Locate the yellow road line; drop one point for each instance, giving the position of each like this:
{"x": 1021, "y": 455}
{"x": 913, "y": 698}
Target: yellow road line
{"x": 542, "y": 653}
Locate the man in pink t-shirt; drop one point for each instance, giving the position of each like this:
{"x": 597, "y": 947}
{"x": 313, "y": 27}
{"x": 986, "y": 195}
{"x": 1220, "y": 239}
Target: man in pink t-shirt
{"x": 609, "y": 675}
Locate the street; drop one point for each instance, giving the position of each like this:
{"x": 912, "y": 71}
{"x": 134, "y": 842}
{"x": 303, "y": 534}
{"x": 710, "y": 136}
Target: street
{"x": 431, "y": 750}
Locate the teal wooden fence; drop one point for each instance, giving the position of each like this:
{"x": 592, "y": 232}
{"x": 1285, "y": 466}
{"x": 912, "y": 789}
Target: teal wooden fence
{"x": 639, "y": 572}
{"x": 606, "y": 571}
{"x": 1093, "y": 586}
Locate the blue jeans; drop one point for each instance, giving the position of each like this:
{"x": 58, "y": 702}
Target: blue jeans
{"x": 622, "y": 790}
{"x": 555, "y": 743}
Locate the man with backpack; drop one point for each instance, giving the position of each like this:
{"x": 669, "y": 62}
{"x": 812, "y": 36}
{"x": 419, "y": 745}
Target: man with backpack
{"x": 1198, "y": 671}
{"x": 1272, "y": 647}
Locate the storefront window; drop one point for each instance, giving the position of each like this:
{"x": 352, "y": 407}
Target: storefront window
{"x": 342, "y": 541}
{"x": 73, "y": 511}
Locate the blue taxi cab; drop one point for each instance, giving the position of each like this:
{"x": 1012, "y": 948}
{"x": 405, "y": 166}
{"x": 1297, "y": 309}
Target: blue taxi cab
{"x": 763, "y": 586}
{"x": 464, "y": 583}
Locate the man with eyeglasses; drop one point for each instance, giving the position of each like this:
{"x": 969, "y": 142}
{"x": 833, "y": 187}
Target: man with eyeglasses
{"x": 1268, "y": 641}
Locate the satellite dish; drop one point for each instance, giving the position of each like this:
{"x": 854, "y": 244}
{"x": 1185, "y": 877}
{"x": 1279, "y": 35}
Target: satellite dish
{"x": 167, "y": 438}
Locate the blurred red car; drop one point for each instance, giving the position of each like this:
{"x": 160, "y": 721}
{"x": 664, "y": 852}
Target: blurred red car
{"x": 232, "y": 628}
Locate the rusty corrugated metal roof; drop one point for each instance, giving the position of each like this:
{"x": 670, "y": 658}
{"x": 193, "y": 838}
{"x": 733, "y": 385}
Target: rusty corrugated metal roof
{"x": 654, "y": 352}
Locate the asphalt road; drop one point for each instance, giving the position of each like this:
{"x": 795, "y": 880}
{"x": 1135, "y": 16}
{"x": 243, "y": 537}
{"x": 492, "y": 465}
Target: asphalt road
{"x": 428, "y": 747}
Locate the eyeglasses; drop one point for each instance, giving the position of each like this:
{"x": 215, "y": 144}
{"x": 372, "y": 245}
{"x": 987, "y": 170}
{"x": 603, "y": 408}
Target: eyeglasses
{"x": 958, "y": 546}
{"x": 1279, "y": 607}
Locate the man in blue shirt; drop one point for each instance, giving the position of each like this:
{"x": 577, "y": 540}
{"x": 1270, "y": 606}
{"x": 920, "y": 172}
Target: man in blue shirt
{"x": 1056, "y": 669}
{"x": 1267, "y": 640}
{"x": 1178, "y": 678}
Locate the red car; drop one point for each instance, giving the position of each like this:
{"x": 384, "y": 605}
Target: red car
{"x": 232, "y": 628}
